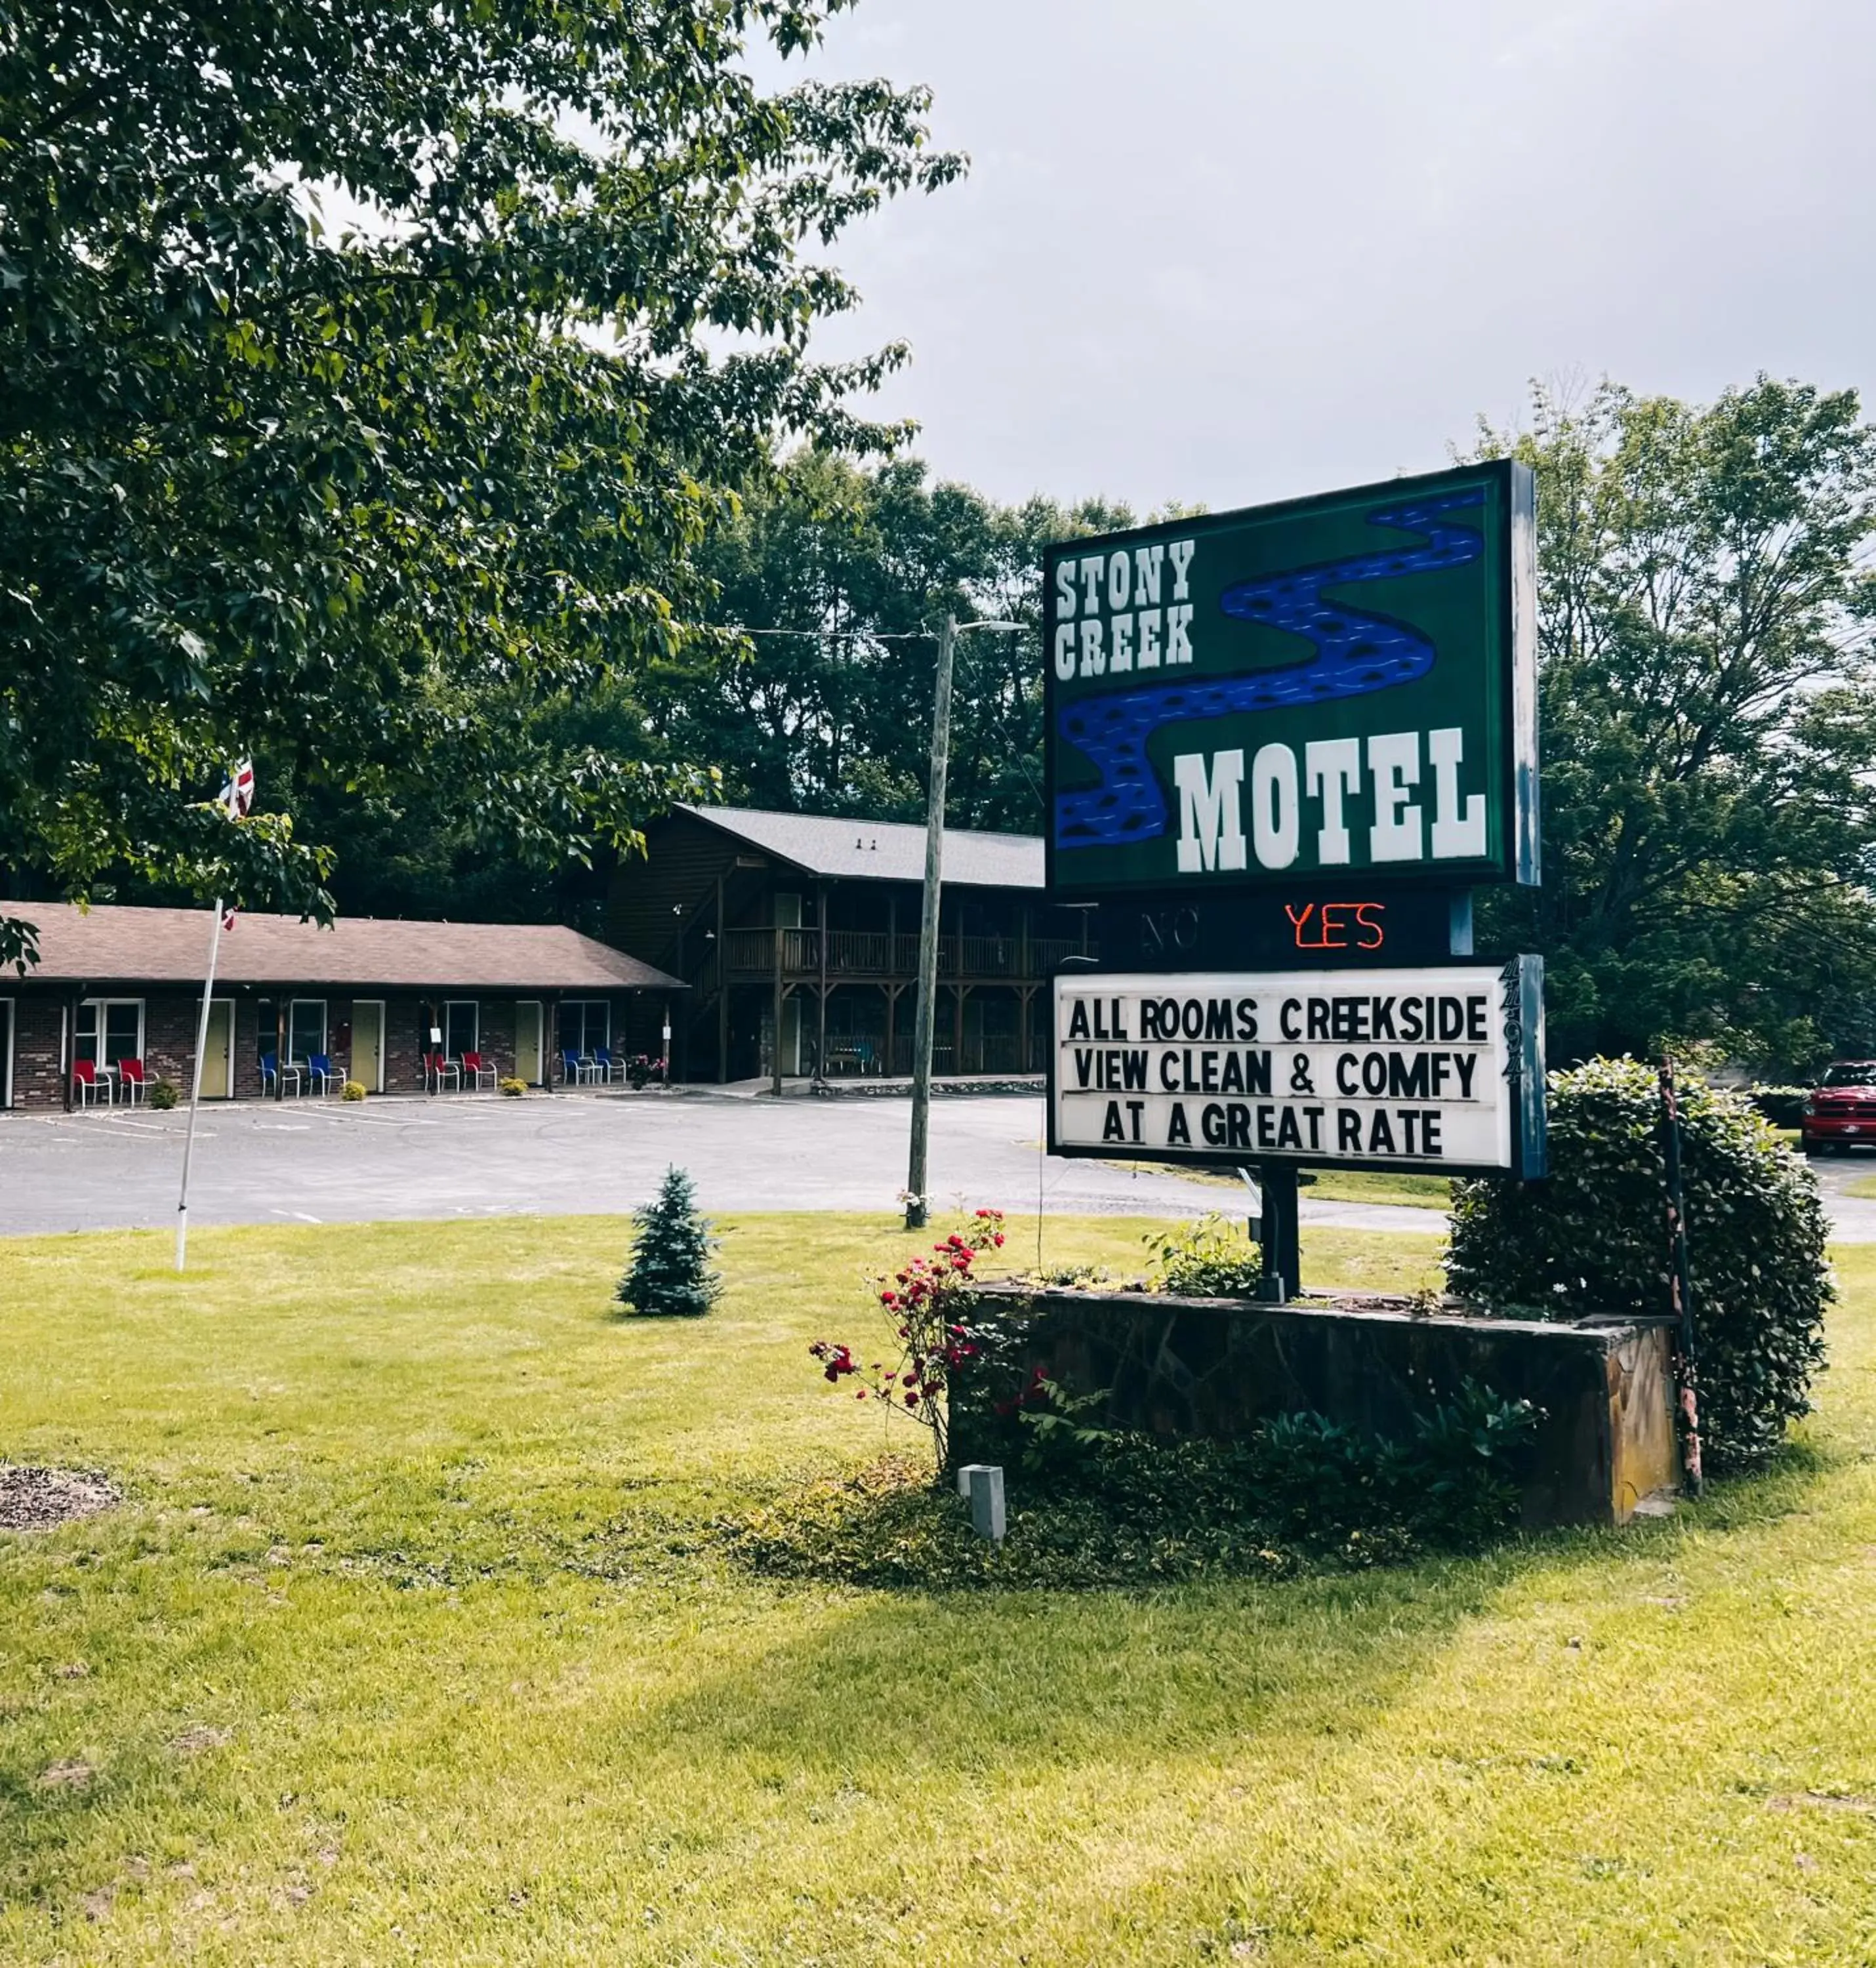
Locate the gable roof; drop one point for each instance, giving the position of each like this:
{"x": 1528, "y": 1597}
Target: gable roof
{"x": 880, "y": 850}
{"x": 110, "y": 943}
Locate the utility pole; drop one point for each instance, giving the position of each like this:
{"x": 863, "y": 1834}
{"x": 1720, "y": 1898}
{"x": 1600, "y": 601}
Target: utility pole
{"x": 925, "y": 1025}
{"x": 928, "y": 931}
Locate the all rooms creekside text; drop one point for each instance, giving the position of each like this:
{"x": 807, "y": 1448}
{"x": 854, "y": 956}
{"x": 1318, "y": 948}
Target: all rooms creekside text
{"x": 1411, "y": 1070}
{"x": 1129, "y": 610}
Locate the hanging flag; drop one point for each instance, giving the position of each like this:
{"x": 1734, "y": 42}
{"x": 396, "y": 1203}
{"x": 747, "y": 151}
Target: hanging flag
{"x": 228, "y": 920}
{"x": 238, "y": 794}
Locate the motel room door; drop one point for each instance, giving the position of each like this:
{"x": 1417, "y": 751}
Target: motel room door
{"x": 218, "y": 1056}
{"x": 527, "y": 1062}
{"x": 367, "y": 1042}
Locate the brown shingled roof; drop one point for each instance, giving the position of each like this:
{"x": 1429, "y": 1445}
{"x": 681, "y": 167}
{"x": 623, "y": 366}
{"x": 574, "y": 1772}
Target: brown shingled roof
{"x": 109, "y": 944}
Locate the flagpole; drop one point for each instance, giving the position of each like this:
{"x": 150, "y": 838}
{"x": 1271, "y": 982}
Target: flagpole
{"x": 195, "y": 1090}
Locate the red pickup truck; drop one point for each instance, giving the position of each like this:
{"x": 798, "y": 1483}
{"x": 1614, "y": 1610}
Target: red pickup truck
{"x": 1841, "y": 1113}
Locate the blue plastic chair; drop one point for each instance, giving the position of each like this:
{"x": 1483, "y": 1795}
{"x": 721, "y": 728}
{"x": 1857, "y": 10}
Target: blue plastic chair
{"x": 273, "y": 1073}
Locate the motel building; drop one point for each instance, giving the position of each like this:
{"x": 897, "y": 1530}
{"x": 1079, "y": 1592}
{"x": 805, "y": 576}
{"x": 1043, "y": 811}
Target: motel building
{"x": 805, "y": 928}
{"x": 401, "y": 1006}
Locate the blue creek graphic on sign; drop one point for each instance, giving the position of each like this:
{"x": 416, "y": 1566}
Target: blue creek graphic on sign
{"x": 1356, "y": 652}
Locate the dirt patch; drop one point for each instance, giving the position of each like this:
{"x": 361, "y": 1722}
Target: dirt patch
{"x": 35, "y": 1499}
{"x": 193, "y": 1740}
{"x": 1818, "y": 1800}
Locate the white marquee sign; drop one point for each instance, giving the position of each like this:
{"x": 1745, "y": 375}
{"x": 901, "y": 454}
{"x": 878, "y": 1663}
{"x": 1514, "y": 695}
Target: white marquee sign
{"x": 1427, "y": 1068}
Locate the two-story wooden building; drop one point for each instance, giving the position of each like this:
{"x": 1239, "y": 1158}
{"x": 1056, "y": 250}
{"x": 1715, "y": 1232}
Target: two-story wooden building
{"x": 806, "y": 927}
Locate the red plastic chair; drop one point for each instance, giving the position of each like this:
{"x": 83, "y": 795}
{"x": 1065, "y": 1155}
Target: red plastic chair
{"x": 474, "y": 1067}
{"x": 438, "y": 1069}
{"x": 132, "y": 1079}
{"x": 86, "y": 1084}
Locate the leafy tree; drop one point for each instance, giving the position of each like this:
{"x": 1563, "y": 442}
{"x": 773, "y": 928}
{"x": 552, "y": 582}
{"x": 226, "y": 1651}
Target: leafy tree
{"x": 1707, "y": 729}
{"x": 846, "y": 572}
{"x": 364, "y": 373}
{"x": 670, "y": 1274}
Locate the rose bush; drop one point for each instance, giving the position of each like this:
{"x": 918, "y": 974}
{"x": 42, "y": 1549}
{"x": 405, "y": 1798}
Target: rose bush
{"x": 919, "y": 1301}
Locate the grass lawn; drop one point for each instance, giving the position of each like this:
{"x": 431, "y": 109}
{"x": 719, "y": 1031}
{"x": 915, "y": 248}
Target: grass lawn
{"x": 1414, "y": 1192}
{"x": 407, "y": 1646}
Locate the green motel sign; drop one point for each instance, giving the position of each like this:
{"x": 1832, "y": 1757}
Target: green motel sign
{"x": 1340, "y": 687}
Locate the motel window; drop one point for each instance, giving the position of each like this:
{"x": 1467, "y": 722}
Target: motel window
{"x": 459, "y": 1027}
{"x": 305, "y": 1028}
{"x": 586, "y": 1025}
{"x": 110, "y": 1030}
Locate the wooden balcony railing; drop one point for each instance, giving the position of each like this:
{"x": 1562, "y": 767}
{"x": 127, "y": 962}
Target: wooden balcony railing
{"x": 874, "y": 957}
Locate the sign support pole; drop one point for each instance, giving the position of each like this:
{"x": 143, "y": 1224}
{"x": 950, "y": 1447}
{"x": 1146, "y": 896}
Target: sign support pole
{"x": 1277, "y": 1233}
{"x": 195, "y": 1089}
{"x": 915, "y": 1209}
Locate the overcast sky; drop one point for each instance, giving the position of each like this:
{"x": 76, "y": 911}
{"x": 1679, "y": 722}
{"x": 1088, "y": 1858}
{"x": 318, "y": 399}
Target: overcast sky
{"x": 1226, "y": 250}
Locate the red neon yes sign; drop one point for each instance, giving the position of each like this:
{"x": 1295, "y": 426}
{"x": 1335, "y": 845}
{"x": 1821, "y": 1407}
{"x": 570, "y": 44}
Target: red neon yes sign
{"x": 1337, "y": 925}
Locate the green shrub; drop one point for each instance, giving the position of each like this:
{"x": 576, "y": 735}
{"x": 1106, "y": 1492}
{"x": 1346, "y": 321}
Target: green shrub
{"x": 670, "y": 1275}
{"x": 354, "y": 1090}
{"x": 1084, "y": 1278}
{"x": 1783, "y": 1106}
{"x": 163, "y": 1095}
{"x": 1593, "y": 1238}
{"x": 1208, "y": 1259}
{"x": 1102, "y": 1507}
{"x": 514, "y": 1089}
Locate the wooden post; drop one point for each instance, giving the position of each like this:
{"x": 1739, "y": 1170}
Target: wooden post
{"x": 774, "y": 1046}
{"x": 820, "y": 937}
{"x": 723, "y": 988}
{"x": 1681, "y": 1282}
{"x": 69, "y": 1048}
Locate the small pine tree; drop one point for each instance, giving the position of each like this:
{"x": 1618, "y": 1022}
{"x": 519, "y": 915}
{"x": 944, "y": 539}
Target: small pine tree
{"x": 669, "y": 1273}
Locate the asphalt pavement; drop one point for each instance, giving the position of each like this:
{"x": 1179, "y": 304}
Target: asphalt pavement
{"x": 457, "y": 1156}
{"x": 306, "y": 1161}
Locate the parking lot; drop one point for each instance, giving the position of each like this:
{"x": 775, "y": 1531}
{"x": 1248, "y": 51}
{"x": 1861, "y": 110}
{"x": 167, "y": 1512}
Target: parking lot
{"x": 462, "y": 1156}
{"x": 323, "y": 1162}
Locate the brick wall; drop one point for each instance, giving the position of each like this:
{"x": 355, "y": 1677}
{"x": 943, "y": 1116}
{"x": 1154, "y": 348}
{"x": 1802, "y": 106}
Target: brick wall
{"x": 169, "y": 1023}
{"x": 38, "y": 1057}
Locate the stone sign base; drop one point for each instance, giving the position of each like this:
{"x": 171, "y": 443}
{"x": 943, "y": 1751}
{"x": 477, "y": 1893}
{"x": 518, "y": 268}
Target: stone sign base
{"x": 1218, "y": 1368}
